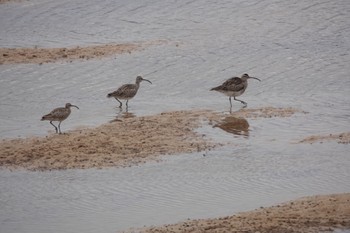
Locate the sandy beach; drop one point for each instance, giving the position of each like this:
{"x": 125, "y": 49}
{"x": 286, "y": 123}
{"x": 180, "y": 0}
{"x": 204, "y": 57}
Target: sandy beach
{"x": 305, "y": 215}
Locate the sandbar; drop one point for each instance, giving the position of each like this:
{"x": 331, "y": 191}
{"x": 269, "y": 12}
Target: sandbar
{"x": 128, "y": 141}
{"x": 305, "y": 215}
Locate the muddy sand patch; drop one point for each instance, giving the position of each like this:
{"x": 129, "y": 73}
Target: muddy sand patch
{"x": 342, "y": 138}
{"x": 45, "y": 55}
{"x": 310, "y": 214}
{"x": 127, "y": 141}
{"x": 5, "y": 1}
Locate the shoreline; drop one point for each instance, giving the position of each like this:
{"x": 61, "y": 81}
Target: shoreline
{"x": 304, "y": 215}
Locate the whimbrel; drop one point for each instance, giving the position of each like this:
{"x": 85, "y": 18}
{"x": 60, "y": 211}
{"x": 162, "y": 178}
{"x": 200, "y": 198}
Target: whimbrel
{"x": 127, "y": 91}
{"x": 234, "y": 87}
{"x": 58, "y": 114}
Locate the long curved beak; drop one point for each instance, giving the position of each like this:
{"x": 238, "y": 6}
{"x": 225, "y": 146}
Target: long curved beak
{"x": 147, "y": 80}
{"x": 255, "y": 78}
{"x": 74, "y": 106}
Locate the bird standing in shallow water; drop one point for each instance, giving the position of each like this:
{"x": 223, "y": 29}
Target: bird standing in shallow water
{"x": 58, "y": 114}
{"x": 127, "y": 91}
{"x": 234, "y": 87}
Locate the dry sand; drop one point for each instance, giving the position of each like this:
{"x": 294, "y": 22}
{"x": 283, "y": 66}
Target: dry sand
{"x": 310, "y": 214}
{"x": 127, "y": 141}
{"x": 45, "y": 55}
{"x": 343, "y": 138}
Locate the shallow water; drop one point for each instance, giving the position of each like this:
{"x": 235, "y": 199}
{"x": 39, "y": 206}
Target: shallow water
{"x": 188, "y": 186}
{"x": 299, "y": 50}
{"x": 301, "y": 57}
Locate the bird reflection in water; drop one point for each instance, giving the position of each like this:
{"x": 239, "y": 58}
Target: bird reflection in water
{"x": 122, "y": 115}
{"x": 234, "y": 125}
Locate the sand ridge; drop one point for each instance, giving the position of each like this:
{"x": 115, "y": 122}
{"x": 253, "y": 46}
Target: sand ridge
{"x": 127, "y": 141}
{"x": 5, "y": 1}
{"x": 306, "y": 215}
{"x": 341, "y": 138}
{"x": 44, "y": 55}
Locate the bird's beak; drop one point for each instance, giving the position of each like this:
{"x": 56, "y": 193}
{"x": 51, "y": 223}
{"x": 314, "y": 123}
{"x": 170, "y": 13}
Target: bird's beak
{"x": 255, "y": 78}
{"x": 146, "y": 80}
{"x": 74, "y": 106}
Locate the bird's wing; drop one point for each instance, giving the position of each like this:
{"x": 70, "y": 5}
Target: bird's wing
{"x": 58, "y": 112}
{"x": 232, "y": 81}
{"x": 124, "y": 89}
{"x": 233, "y": 84}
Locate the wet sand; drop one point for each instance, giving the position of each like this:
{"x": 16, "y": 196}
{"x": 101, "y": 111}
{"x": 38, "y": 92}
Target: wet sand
{"x": 127, "y": 141}
{"x": 45, "y": 55}
{"x": 309, "y": 214}
{"x": 5, "y": 1}
{"x": 343, "y": 138}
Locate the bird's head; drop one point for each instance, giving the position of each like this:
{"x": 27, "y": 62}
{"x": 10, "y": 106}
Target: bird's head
{"x": 246, "y": 77}
{"x": 68, "y": 105}
{"x": 140, "y": 79}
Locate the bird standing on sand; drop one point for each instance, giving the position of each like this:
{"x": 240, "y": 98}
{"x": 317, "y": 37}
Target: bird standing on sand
{"x": 234, "y": 87}
{"x": 58, "y": 114}
{"x": 127, "y": 91}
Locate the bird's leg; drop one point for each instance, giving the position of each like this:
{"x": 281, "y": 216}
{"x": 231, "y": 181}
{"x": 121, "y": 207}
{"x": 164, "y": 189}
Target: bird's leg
{"x": 59, "y": 127}
{"x": 53, "y": 126}
{"x": 127, "y": 106}
{"x": 119, "y": 102}
{"x": 230, "y": 102}
{"x": 240, "y": 101}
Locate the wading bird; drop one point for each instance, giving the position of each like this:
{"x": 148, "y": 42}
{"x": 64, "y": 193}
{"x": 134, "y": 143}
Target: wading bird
{"x": 234, "y": 87}
{"x": 127, "y": 91}
{"x": 58, "y": 114}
